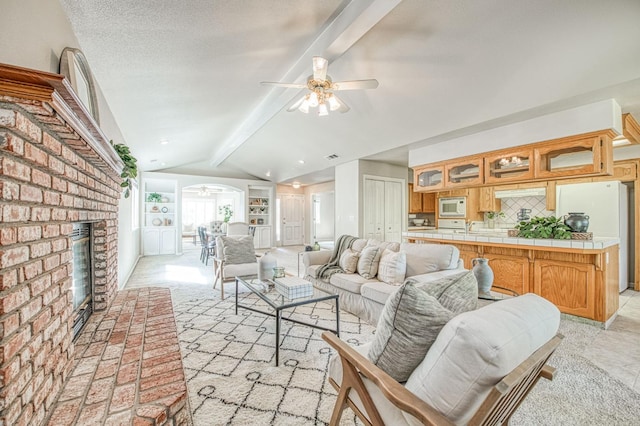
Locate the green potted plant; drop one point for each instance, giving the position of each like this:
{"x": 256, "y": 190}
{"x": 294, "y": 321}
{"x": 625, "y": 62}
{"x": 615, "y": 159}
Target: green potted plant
{"x": 130, "y": 168}
{"x": 154, "y": 197}
{"x": 226, "y": 211}
{"x": 492, "y": 216}
{"x": 544, "y": 227}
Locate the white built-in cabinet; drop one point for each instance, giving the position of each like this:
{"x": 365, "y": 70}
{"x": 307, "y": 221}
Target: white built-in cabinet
{"x": 159, "y": 232}
{"x": 260, "y": 208}
{"x": 383, "y": 209}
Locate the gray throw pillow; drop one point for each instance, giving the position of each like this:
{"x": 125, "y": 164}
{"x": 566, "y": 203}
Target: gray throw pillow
{"x": 410, "y": 322}
{"x": 368, "y": 262}
{"x": 236, "y": 250}
{"x": 458, "y": 293}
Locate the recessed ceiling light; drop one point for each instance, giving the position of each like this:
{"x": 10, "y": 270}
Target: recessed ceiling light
{"x": 163, "y": 164}
{"x": 301, "y": 161}
{"x": 268, "y": 174}
{"x": 163, "y": 141}
{"x": 296, "y": 185}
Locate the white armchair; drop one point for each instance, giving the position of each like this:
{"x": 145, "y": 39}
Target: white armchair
{"x": 235, "y": 256}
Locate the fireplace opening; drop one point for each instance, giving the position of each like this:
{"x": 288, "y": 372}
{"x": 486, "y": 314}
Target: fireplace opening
{"x": 82, "y": 287}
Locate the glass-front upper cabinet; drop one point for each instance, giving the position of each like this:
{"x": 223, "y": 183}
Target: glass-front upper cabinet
{"x": 464, "y": 173}
{"x": 428, "y": 179}
{"x": 509, "y": 166}
{"x": 573, "y": 158}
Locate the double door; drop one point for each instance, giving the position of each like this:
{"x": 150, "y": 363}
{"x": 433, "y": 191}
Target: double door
{"x": 383, "y": 209}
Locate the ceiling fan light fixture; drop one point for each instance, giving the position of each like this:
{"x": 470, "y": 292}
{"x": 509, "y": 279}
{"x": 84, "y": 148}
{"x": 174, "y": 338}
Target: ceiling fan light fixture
{"x": 304, "y": 106}
{"x": 333, "y": 102}
{"x": 322, "y": 110}
{"x": 313, "y": 99}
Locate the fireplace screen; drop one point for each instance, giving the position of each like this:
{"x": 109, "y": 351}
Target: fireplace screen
{"x": 82, "y": 276}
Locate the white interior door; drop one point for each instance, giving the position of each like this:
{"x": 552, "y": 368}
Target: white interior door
{"x": 292, "y": 219}
{"x": 374, "y": 209}
{"x": 393, "y": 211}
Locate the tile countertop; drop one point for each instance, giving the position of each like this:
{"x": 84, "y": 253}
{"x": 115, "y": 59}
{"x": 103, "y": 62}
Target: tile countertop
{"x": 498, "y": 237}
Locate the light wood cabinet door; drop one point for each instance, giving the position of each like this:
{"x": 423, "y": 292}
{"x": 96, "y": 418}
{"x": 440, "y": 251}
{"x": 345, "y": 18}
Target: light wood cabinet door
{"x": 487, "y": 201}
{"x": 570, "y": 286}
{"x": 509, "y": 166}
{"x": 429, "y": 202}
{"x": 463, "y": 173}
{"x": 415, "y": 200}
{"x": 510, "y": 272}
{"x": 574, "y": 158}
{"x": 428, "y": 178}
{"x": 625, "y": 171}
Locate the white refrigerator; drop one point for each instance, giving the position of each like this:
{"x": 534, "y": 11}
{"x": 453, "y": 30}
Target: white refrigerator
{"x": 606, "y": 204}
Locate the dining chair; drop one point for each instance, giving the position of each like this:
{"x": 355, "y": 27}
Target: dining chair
{"x": 237, "y": 228}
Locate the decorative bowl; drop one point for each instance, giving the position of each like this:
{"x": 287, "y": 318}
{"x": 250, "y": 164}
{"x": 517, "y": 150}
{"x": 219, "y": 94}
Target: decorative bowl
{"x": 418, "y": 222}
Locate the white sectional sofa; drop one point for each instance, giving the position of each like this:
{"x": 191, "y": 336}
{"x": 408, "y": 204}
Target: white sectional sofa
{"x": 365, "y": 297}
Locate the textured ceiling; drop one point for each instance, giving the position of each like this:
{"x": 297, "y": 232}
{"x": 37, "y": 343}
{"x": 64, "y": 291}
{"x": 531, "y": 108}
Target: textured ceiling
{"x": 189, "y": 72}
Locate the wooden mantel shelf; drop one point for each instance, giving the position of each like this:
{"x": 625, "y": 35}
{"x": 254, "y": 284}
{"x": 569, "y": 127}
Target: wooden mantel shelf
{"x": 21, "y": 84}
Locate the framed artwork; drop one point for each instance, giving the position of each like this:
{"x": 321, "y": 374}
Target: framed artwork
{"x": 74, "y": 66}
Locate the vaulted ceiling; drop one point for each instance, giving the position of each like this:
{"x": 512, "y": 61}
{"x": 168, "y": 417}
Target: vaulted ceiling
{"x": 189, "y": 73}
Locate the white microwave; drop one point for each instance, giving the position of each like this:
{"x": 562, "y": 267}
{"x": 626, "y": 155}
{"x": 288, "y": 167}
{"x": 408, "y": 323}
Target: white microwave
{"x": 452, "y": 207}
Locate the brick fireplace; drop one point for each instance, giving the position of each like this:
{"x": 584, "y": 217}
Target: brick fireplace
{"x": 56, "y": 168}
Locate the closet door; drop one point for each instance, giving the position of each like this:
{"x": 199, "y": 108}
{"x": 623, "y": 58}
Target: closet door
{"x": 374, "y": 210}
{"x": 392, "y": 211}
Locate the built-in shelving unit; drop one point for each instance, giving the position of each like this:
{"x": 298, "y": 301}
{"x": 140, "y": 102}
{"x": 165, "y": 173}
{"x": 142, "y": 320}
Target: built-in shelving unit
{"x": 259, "y": 215}
{"x": 160, "y": 205}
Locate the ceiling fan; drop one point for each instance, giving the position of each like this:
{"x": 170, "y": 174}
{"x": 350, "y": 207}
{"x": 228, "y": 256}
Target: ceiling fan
{"x": 322, "y": 90}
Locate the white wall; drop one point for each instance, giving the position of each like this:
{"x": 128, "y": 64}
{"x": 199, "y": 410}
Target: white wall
{"x": 33, "y": 34}
{"x": 587, "y": 118}
{"x": 310, "y": 191}
{"x": 347, "y": 198}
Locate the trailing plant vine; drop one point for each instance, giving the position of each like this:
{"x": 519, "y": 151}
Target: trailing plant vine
{"x": 130, "y": 169}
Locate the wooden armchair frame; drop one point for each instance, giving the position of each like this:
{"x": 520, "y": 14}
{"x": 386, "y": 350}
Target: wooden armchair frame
{"x": 503, "y": 400}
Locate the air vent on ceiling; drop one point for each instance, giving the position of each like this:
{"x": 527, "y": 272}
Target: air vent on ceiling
{"x": 331, "y": 156}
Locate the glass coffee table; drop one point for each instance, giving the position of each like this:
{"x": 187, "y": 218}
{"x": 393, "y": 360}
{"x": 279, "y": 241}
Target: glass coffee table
{"x": 267, "y": 292}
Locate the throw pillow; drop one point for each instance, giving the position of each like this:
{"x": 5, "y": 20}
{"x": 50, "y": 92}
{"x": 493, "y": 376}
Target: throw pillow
{"x": 392, "y": 268}
{"x": 237, "y": 250}
{"x": 368, "y": 262}
{"x": 410, "y": 322}
{"x": 349, "y": 261}
{"x": 458, "y": 293}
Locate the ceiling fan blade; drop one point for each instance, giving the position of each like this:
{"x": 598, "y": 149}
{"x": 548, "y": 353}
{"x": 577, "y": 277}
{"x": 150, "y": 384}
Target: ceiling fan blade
{"x": 354, "y": 84}
{"x": 289, "y": 85}
{"x": 296, "y": 105}
{"x": 320, "y": 68}
{"x": 343, "y": 106}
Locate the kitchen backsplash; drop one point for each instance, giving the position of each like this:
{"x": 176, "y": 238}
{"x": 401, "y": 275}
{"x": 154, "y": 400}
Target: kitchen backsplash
{"x": 511, "y": 207}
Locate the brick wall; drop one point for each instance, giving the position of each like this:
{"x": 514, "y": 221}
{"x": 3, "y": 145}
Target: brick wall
{"x": 49, "y": 178}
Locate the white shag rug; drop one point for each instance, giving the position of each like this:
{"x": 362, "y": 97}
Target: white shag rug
{"x": 232, "y": 380}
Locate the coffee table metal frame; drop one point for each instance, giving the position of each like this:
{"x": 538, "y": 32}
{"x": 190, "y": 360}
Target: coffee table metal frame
{"x": 317, "y": 296}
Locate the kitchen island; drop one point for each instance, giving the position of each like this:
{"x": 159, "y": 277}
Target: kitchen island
{"x": 579, "y": 277}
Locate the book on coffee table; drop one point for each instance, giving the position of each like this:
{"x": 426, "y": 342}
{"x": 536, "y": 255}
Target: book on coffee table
{"x": 293, "y": 287}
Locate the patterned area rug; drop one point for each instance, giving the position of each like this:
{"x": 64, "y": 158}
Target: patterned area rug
{"x": 229, "y": 363}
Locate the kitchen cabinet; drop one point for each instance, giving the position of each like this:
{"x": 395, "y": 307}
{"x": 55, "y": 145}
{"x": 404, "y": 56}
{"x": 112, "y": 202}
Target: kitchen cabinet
{"x": 487, "y": 201}
{"x": 510, "y": 272}
{"x": 428, "y": 178}
{"x": 570, "y": 286}
{"x": 587, "y": 156}
{"x": 625, "y": 171}
{"x": 464, "y": 173}
{"x": 508, "y": 166}
{"x": 429, "y": 202}
{"x": 421, "y": 202}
